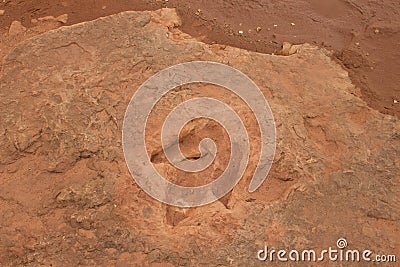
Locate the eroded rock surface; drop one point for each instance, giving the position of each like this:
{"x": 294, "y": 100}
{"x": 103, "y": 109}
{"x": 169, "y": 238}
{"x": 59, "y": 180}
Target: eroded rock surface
{"x": 67, "y": 198}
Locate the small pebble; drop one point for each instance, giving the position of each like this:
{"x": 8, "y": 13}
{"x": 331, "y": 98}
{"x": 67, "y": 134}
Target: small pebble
{"x": 62, "y": 18}
{"x": 395, "y": 101}
{"x": 16, "y": 28}
{"x": 2, "y": 12}
{"x": 258, "y": 29}
{"x": 376, "y": 31}
{"x": 292, "y": 24}
{"x": 275, "y": 25}
{"x": 240, "y": 32}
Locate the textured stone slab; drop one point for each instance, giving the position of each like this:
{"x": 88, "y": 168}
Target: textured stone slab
{"x": 66, "y": 196}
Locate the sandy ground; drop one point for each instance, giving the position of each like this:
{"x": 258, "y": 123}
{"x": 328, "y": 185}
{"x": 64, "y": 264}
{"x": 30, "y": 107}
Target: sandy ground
{"x": 69, "y": 201}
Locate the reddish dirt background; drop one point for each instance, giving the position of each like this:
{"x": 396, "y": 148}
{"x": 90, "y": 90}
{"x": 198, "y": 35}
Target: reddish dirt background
{"x": 363, "y": 34}
{"x": 375, "y": 136}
